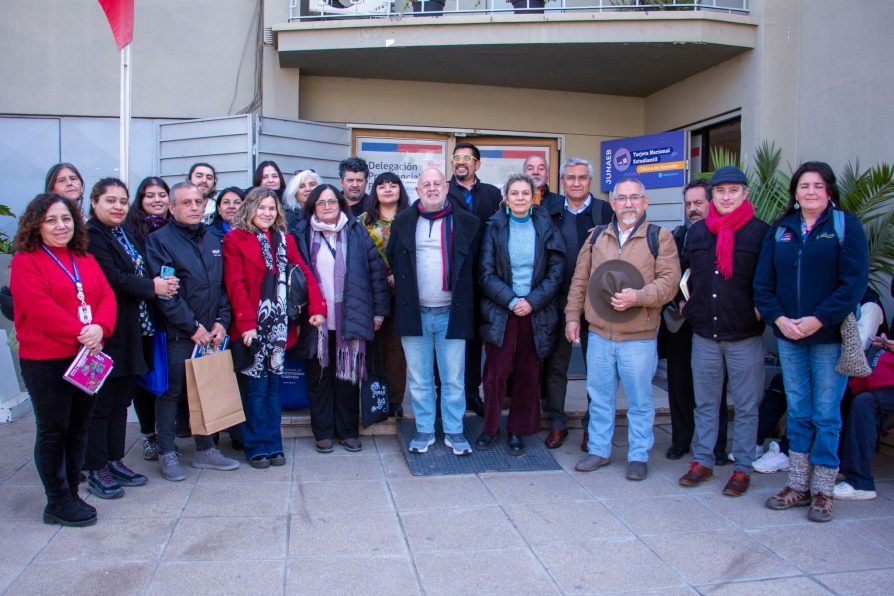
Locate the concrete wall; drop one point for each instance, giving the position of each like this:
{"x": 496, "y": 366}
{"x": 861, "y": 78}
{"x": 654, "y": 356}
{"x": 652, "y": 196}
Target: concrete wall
{"x": 190, "y": 59}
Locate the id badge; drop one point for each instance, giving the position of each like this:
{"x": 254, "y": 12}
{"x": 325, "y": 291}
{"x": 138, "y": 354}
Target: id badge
{"x": 85, "y": 314}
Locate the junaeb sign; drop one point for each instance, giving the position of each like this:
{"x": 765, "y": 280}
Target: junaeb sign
{"x": 658, "y": 160}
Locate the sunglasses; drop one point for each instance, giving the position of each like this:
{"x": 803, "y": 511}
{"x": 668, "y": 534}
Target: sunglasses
{"x": 466, "y": 158}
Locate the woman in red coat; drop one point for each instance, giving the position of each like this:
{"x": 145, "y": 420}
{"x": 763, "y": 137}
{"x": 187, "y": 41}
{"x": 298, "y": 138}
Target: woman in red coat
{"x": 62, "y": 303}
{"x": 256, "y": 252}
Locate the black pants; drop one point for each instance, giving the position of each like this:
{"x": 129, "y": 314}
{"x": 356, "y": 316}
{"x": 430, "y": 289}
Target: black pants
{"x": 144, "y": 406}
{"x": 773, "y": 408}
{"x": 555, "y": 377}
{"x": 677, "y": 347}
{"x": 62, "y": 413}
{"x": 179, "y": 350}
{"x": 334, "y": 403}
{"x": 108, "y": 425}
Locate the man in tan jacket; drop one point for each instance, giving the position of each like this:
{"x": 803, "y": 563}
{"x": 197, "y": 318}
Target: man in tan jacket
{"x": 625, "y": 273}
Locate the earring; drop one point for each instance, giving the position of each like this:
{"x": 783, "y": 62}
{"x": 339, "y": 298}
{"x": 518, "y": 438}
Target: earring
{"x": 797, "y": 206}
{"x": 507, "y": 209}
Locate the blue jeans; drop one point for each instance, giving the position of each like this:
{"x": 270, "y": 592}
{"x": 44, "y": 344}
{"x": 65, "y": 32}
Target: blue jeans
{"x": 261, "y": 432}
{"x": 633, "y": 363}
{"x": 813, "y": 390}
{"x": 451, "y": 354}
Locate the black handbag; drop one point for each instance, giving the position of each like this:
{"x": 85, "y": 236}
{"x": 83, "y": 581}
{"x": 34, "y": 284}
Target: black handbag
{"x": 296, "y": 296}
{"x": 6, "y": 302}
{"x": 373, "y": 400}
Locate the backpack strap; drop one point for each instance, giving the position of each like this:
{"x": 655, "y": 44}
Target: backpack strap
{"x": 596, "y": 232}
{"x": 652, "y": 233}
{"x": 838, "y": 224}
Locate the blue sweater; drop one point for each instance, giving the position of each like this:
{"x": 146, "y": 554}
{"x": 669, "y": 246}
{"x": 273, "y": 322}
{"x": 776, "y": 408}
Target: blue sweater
{"x": 522, "y": 241}
{"x": 817, "y": 277}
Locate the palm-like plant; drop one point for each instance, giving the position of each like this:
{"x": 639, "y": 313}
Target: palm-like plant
{"x": 869, "y": 195}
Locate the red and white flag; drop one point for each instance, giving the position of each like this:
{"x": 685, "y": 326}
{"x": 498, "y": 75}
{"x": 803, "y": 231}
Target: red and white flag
{"x": 120, "y": 16}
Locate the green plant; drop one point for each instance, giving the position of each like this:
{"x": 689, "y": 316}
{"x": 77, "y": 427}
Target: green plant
{"x": 5, "y": 239}
{"x": 870, "y": 195}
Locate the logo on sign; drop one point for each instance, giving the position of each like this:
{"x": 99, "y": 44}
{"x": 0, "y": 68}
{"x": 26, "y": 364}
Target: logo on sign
{"x": 622, "y": 159}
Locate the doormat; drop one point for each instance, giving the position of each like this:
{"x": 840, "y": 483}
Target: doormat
{"x": 439, "y": 459}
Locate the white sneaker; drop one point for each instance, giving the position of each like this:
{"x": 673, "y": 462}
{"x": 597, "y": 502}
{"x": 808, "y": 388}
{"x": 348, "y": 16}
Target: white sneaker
{"x": 758, "y": 452}
{"x": 845, "y": 492}
{"x": 772, "y": 461}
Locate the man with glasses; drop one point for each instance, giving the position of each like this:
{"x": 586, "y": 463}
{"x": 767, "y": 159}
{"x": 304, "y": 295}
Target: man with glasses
{"x": 468, "y": 193}
{"x": 625, "y": 273}
{"x": 575, "y": 215}
{"x": 433, "y": 252}
{"x": 198, "y": 314}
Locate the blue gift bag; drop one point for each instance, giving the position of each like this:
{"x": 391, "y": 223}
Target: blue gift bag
{"x": 293, "y": 385}
{"x": 155, "y": 381}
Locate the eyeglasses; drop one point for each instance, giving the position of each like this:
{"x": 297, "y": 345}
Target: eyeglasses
{"x": 624, "y": 198}
{"x": 327, "y": 202}
{"x": 466, "y": 158}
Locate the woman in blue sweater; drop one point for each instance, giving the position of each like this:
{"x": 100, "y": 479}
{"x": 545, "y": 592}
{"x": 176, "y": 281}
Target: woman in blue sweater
{"x": 812, "y": 272}
{"x": 522, "y": 260}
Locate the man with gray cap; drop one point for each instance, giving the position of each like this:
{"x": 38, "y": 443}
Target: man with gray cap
{"x": 722, "y": 251}
{"x": 625, "y": 272}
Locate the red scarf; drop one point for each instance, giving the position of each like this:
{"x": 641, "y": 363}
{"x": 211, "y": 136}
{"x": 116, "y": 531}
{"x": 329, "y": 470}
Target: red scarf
{"x": 724, "y": 227}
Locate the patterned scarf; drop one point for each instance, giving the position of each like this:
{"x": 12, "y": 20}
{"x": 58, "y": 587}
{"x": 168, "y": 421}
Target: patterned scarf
{"x": 446, "y": 217}
{"x": 272, "y": 323}
{"x": 724, "y": 227}
{"x": 350, "y": 355}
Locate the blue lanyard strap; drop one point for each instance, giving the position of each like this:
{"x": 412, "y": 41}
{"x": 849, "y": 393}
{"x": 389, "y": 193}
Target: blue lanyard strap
{"x": 75, "y": 278}
{"x": 122, "y": 238}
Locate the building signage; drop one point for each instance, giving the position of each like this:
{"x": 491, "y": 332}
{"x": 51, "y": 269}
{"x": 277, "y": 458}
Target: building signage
{"x": 499, "y": 161}
{"x": 659, "y": 161}
{"x": 405, "y": 157}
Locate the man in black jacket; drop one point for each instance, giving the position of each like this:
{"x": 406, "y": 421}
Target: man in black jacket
{"x": 198, "y": 314}
{"x": 354, "y": 175}
{"x": 723, "y": 252}
{"x": 575, "y": 215}
{"x": 468, "y": 193}
{"x": 536, "y": 167}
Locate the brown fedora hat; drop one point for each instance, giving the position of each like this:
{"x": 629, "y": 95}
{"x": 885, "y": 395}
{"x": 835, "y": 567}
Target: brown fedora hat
{"x": 609, "y": 278}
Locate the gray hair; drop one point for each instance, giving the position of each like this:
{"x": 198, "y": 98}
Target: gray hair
{"x": 182, "y": 186}
{"x": 288, "y": 196}
{"x": 575, "y": 161}
{"x": 517, "y": 177}
{"x": 637, "y": 181}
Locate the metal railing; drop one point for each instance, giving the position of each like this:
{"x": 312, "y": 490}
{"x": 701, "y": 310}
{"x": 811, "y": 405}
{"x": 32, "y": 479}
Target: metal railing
{"x": 302, "y": 10}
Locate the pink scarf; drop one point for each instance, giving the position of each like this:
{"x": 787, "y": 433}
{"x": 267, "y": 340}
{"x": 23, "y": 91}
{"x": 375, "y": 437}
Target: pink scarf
{"x": 724, "y": 227}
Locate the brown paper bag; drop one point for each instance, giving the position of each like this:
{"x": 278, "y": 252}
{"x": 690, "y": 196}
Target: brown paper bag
{"x": 213, "y": 394}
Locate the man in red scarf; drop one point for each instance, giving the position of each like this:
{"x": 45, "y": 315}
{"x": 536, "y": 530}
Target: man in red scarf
{"x": 723, "y": 251}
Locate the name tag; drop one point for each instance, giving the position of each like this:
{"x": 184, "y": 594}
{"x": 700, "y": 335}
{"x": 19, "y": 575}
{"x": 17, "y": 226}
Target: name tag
{"x": 85, "y": 314}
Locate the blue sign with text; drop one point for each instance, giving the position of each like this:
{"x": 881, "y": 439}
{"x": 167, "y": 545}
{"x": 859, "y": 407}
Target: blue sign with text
{"x": 659, "y": 161}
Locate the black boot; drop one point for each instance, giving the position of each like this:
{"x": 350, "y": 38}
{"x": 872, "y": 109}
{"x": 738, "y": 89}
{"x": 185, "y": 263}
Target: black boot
{"x": 69, "y": 512}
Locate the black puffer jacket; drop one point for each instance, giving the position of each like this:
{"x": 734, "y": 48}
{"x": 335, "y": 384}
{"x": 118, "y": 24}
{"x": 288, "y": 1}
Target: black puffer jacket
{"x": 495, "y": 278}
{"x": 366, "y": 287}
{"x": 197, "y": 259}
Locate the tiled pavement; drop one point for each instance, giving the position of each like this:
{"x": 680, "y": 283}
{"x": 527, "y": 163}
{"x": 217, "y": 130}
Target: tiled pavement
{"x": 360, "y": 524}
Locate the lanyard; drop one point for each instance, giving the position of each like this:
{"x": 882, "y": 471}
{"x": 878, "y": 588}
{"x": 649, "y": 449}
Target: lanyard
{"x": 128, "y": 247}
{"x": 75, "y": 278}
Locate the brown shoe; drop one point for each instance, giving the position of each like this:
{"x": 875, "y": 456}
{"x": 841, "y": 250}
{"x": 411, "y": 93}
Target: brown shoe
{"x": 584, "y": 442}
{"x": 737, "y": 484}
{"x": 696, "y": 475}
{"x": 555, "y": 438}
{"x": 788, "y": 498}
{"x": 820, "y": 508}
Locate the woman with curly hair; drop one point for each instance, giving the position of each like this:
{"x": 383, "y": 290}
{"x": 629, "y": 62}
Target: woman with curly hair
{"x": 62, "y": 303}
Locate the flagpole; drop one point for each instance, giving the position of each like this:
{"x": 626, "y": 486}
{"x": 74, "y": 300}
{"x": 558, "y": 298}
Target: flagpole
{"x": 124, "y": 119}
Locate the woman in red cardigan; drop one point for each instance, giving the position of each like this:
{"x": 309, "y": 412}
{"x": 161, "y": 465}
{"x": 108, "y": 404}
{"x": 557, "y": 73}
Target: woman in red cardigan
{"x": 62, "y": 302}
{"x": 256, "y": 252}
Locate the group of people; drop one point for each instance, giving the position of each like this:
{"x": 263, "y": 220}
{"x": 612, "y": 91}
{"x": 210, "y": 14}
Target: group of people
{"x": 416, "y": 292}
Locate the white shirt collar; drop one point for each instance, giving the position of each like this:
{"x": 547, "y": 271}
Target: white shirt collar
{"x": 583, "y": 207}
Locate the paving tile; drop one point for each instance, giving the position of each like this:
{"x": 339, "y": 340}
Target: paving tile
{"x": 509, "y": 571}
{"x": 340, "y": 497}
{"x": 83, "y": 577}
{"x": 610, "y": 482}
{"x": 711, "y": 557}
{"x": 823, "y": 548}
{"x": 244, "y": 474}
{"x": 395, "y": 466}
{"x": 21, "y": 541}
{"x": 439, "y": 492}
{"x": 749, "y": 510}
{"x": 352, "y": 575}
{"x": 234, "y": 538}
{"x": 25, "y": 475}
{"x": 240, "y": 499}
{"x": 663, "y": 515}
{"x": 218, "y": 577}
{"x": 606, "y": 566}
{"x": 325, "y": 467}
{"x": 879, "y": 531}
{"x": 786, "y": 586}
{"x": 477, "y": 528}
{"x": 386, "y": 444}
{"x": 573, "y": 521}
{"x": 110, "y": 540}
{"x": 8, "y": 573}
{"x": 855, "y": 510}
{"x": 527, "y": 487}
{"x": 859, "y": 583}
{"x": 156, "y": 499}
{"x": 372, "y": 533}
{"x": 24, "y": 503}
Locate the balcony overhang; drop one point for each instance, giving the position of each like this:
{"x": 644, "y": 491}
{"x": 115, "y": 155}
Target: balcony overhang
{"x": 617, "y": 54}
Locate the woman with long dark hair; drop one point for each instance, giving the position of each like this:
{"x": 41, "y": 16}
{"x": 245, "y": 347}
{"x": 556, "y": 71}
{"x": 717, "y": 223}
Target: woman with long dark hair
{"x": 268, "y": 175}
{"x": 812, "y": 273}
{"x": 62, "y": 303}
{"x": 135, "y": 291}
{"x": 388, "y": 198}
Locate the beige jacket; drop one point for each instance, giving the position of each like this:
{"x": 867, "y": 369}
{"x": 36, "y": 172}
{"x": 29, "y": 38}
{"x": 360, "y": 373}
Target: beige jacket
{"x": 662, "y": 276}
